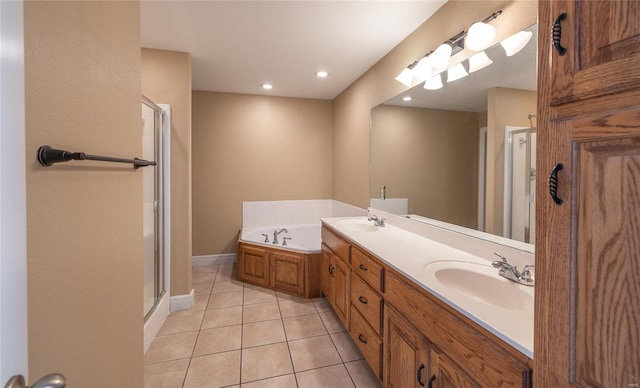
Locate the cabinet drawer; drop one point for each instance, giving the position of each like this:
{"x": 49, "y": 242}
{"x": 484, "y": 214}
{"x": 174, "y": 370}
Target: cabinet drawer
{"x": 367, "y": 302}
{"x": 368, "y": 269}
{"x": 340, "y": 247}
{"x": 368, "y": 341}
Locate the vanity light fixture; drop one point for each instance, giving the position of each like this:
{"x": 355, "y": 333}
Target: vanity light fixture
{"x": 267, "y": 86}
{"x": 456, "y": 72}
{"x": 322, "y": 74}
{"x": 480, "y": 35}
{"x": 516, "y": 42}
{"x": 479, "y": 61}
{"x": 434, "y": 83}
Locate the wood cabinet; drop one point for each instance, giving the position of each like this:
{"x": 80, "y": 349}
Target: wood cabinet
{"x": 465, "y": 351}
{"x": 287, "y": 272}
{"x": 295, "y": 273}
{"x": 336, "y": 276}
{"x": 406, "y": 356}
{"x": 253, "y": 265}
{"x": 587, "y": 267}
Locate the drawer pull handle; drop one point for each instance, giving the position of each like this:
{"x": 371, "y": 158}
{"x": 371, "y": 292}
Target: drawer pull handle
{"x": 431, "y": 380}
{"x": 419, "y": 375}
{"x": 556, "y": 34}
{"x": 553, "y": 184}
{"x": 331, "y": 268}
{"x": 362, "y": 339}
{"x": 363, "y": 300}
{"x": 362, "y": 267}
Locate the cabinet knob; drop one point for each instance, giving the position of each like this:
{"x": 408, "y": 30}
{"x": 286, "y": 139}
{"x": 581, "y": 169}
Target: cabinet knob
{"x": 556, "y": 34}
{"x": 362, "y": 338}
{"x": 363, "y": 300}
{"x": 362, "y": 267}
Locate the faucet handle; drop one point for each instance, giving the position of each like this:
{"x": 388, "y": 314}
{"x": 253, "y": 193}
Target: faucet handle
{"x": 499, "y": 263}
{"x": 526, "y": 271}
{"x": 504, "y": 259}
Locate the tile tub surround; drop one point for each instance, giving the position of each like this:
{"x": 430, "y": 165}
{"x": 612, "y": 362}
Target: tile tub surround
{"x": 238, "y": 334}
{"x": 268, "y": 213}
{"x": 409, "y": 252}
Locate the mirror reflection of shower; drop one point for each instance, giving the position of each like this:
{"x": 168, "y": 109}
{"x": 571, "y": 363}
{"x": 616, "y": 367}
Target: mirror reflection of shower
{"x": 520, "y": 183}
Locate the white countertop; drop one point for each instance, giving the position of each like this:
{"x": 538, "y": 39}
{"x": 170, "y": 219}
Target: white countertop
{"x": 411, "y": 255}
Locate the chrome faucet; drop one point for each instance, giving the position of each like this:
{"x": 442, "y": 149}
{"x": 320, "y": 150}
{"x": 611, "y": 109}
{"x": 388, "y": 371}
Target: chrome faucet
{"x": 276, "y": 233}
{"x": 511, "y": 272}
{"x": 377, "y": 221}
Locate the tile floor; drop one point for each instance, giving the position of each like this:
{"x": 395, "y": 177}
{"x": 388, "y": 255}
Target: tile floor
{"x": 238, "y": 334}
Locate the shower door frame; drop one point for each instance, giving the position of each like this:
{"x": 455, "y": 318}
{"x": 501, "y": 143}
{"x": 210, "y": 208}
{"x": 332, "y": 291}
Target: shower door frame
{"x": 509, "y": 132}
{"x": 154, "y": 319}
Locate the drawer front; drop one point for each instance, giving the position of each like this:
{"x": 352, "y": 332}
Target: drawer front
{"x": 368, "y": 269}
{"x": 368, "y": 302}
{"x": 368, "y": 341}
{"x": 340, "y": 247}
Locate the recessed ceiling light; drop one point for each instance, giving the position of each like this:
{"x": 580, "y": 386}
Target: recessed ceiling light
{"x": 322, "y": 74}
{"x": 407, "y": 98}
{"x": 267, "y": 86}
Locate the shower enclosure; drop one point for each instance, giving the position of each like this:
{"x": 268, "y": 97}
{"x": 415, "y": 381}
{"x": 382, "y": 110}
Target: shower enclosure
{"x": 520, "y": 184}
{"x": 153, "y": 209}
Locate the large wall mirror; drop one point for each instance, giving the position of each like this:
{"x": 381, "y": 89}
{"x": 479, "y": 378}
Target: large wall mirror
{"x": 464, "y": 154}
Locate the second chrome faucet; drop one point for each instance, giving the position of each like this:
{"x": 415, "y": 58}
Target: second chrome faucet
{"x": 511, "y": 272}
{"x": 276, "y": 233}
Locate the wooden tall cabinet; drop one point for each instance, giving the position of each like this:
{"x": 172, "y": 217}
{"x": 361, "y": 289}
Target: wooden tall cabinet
{"x": 587, "y": 313}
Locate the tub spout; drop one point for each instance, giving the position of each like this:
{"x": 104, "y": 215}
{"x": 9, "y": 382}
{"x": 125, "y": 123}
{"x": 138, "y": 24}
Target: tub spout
{"x": 276, "y": 233}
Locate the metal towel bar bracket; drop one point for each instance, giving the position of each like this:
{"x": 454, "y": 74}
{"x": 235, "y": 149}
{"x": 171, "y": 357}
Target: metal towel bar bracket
{"x": 47, "y": 156}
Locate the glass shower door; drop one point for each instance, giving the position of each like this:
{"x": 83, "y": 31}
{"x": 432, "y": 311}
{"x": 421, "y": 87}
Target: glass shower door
{"x": 152, "y": 206}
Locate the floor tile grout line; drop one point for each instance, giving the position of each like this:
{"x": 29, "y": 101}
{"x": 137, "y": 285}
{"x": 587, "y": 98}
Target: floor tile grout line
{"x": 184, "y": 381}
{"x": 286, "y": 337}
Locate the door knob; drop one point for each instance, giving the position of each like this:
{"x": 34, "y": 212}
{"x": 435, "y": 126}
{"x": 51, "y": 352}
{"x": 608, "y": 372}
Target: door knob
{"x": 53, "y": 380}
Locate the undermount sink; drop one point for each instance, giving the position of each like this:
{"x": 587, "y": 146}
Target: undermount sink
{"x": 480, "y": 282}
{"x": 358, "y": 225}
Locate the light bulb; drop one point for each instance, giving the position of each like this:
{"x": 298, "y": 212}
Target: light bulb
{"x": 267, "y": 86}
{"x": 440, "y": 58}
{"x": 407, "y": 98}
{"x": 479, "y": 61}
{"x": 456, "y": 72}
{"x": 433, "y": 83}
{"x": 422, "y": 71}
{"x": 322, "y": 74}
{"x": 480, "y": 36}
{"x": 513, "y": 44}
{"x": 405, "y": 77}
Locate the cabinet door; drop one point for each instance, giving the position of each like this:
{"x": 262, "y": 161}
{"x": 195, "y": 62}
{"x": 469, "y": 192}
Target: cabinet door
{"x": 253, "y": 265}
{"x": 602, "y": 41}
{"x": 587, "y": 268}
{"x": 326, "y": 274}
{"x": 406, "y": 353}
{"x": 342, "y": 289}
{"x": 445, "y": 374}
{"x": 288, "y": 272}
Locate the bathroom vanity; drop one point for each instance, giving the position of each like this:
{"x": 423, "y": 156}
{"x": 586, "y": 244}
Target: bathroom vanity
{"x": 411, "y": 330}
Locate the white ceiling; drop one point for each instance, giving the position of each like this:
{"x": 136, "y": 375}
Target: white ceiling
{"x": 238, "y": 45}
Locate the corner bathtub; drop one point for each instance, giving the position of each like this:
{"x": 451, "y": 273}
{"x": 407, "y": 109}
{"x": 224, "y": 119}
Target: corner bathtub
{"x": 293, "y": 268}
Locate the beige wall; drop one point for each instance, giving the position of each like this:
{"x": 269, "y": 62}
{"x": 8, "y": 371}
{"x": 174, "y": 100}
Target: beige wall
{"x": 166, "y": 79}
{"x": 254, "y": 148}
{"x": 506, "y": 107}
{"x": 351, "y": 109}
{"x": 429, "y": 156}
{"x": 84, "y": 219}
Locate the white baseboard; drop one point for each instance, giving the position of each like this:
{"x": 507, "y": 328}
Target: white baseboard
{"x": 182, "y": 302}
{"x": 213, "y": 259}
{"x": 154, "y": 322}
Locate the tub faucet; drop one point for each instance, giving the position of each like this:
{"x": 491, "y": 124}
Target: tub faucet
{"x": 511, "y": 271}
{"x": 276, "y": 233}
